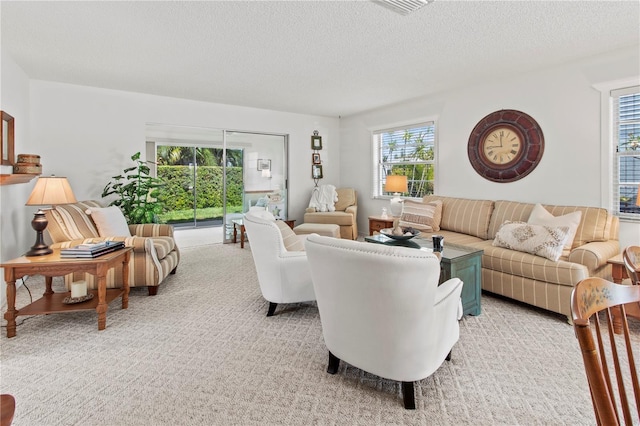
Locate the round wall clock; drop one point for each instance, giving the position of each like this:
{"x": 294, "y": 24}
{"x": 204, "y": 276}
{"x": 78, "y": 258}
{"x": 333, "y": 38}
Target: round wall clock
{"x": 505, "y": 146}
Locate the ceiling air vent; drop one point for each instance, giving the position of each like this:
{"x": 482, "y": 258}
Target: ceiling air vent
{"x": 403, "y": 7}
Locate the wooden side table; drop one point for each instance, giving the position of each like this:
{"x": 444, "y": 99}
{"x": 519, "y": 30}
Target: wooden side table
{"x": 52, "y": 265}
{"x": 618, "y": 270}
{"x": 376, "y": 223}
{"x": 238, "y": 226}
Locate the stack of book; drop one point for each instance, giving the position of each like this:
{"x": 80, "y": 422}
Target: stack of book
{"x": 92, "y": 249}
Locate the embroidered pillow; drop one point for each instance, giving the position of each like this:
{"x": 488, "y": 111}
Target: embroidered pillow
{"x": 422, "y": 216}
{"x": 540, "y": 216}
{"x": 110, "y": 221}
{"x": 544, "y": 241}
{"x": 292, "y": 242}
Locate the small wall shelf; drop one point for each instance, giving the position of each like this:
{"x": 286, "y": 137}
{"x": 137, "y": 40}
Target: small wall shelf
{"x": 15, "y": 178}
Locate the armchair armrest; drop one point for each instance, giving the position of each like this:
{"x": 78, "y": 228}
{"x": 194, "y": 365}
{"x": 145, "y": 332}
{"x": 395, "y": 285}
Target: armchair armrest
{"x": 151, "y": 230}
{"x": 352, "y": 209}
{"x": 310, "y": 210}
{"x": 595, "y": 254}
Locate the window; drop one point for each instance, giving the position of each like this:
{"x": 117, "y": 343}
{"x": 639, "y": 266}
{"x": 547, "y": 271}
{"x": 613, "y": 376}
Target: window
{"x": 407, "y": 151}
{"x": 626, "y": 140}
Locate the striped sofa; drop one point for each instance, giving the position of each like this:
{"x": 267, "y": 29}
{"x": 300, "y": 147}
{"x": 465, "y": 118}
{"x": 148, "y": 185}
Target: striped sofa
{"x": 155, "y": 253}
{"x": 525, "y": 277}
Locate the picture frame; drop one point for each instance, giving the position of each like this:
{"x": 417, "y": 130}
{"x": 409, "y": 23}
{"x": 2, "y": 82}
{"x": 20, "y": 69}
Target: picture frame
{"x": 264, "y": 164}
{"x": 316, "y": 142}
{"x": 7, "y": 136}
{"x": 315, "y": 158}
{"x": 316, "y": 171}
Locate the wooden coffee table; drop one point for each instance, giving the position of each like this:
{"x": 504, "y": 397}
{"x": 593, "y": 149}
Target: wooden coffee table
{"x": 52, "y": 265}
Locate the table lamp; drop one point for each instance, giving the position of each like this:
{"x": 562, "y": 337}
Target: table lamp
{"x": 48, "y": 191}
{"x": 397, "y": 185}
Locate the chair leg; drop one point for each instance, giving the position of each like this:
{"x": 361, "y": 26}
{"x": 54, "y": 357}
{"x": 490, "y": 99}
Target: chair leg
{"x": 334, "y": 363}
{"x": 174, "y": 271}
{"x": 272, "y": 309}
{"x": 408, "y": 396}
{"x": 153, "y": 290}
{"x": 448, "y": 358}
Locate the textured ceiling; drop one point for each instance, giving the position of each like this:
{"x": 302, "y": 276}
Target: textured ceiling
{"x": 331, "y": 58}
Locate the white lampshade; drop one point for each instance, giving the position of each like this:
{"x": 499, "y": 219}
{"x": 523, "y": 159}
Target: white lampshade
{"x": 50, "y": 191}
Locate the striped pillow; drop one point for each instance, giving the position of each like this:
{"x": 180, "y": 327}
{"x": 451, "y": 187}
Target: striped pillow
{"x": 292, "y": 242}
{"x": 422, "y": 216}
{"x": 70, "y": 222}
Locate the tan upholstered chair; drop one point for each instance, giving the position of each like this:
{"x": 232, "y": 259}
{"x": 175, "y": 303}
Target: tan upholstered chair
{"x": 345, "y": 214}
{"x": 155, "y": 253}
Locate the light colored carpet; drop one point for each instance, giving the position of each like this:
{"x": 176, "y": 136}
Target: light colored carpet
{"x": 202, "y": 352}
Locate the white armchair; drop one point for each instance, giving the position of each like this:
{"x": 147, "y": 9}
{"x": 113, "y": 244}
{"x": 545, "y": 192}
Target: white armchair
{"x": 283, "y": 274}
{"x": 382, "y": 310}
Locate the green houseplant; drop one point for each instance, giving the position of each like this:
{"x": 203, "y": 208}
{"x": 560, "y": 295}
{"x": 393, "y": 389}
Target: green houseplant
{"x": 137, "y": 192}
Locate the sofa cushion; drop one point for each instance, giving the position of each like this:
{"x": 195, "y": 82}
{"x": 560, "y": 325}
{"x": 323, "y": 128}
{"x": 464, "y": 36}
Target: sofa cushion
{"x": 540, "y": 240}
{"x": 422, "y": 216}
{"x": 540, "y": 216}
{"x": 110, "y": 221}
{"x": 71, "y": 222}
{"x": 464, "y": 215}
{"x": 346, "y": 198}
{"x": 519, "y": 264}
{"x": 593, "y": 225}
{"x": 292, "y": 242}
{"x": 338, "y": 218}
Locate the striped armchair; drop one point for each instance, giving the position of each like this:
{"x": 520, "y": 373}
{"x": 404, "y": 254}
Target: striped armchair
{"x": 155, "y": 253}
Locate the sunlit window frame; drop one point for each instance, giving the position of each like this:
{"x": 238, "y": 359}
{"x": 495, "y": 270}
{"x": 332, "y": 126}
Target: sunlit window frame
{"x": 378, "y": 175}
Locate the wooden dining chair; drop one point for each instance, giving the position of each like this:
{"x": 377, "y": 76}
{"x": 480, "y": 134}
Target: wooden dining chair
{"x": 631, "y": 259}
{"x": 608, "y": 357}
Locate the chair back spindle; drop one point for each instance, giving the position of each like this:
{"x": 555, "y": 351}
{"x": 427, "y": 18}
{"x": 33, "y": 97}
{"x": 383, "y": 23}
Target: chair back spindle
{"x": 609, "y": 359}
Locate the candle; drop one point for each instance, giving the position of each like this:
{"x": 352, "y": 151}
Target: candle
{"x": 78, "y": 289}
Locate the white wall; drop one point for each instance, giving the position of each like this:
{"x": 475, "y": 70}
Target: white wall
{"x": 89, "y": 134}
{"x": 16, "y": 234}
{"x": 562, "y": 100}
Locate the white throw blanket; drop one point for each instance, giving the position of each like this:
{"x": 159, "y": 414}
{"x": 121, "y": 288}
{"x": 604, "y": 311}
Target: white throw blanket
{"x": 323, "y": 198}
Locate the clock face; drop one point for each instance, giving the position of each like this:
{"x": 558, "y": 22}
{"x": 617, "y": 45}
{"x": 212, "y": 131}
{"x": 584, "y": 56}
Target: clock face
{"x": 502, "y": 145}
{"x": 505, "y": 146}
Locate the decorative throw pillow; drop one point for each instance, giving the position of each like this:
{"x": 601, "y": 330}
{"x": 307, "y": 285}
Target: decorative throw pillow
{"x": 544, "y": 241}
{"x": 422, "y": 216}
{"x": 110, "y": 221}
{"x": 540, "y": 216}
{"x": 292, "y": 242}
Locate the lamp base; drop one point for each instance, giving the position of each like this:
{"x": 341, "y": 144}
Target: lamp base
{"x": 39, "y": 224}
{"x": 395, "y": 205}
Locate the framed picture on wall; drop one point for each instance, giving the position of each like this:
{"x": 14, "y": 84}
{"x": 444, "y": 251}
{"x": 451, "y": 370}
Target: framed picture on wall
{"x": 315, "y": 158}
{"x": 264, "y": 164}
{"x": 316, "y": 171}
{"x": 316, "y": 142}
{"x": 7, "y": 135}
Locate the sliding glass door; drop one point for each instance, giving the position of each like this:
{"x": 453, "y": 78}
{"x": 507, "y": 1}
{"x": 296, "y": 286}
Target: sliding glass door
{"x": 213, "y": 176}
{"x": 193, "y": 195}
